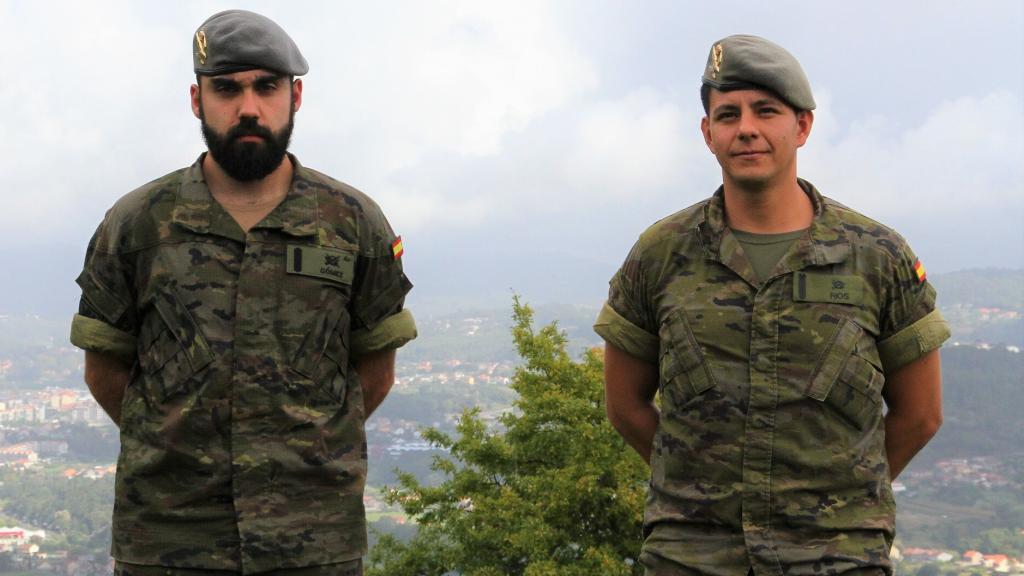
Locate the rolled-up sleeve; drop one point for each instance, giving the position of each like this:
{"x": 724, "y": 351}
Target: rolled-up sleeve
{"x": 911, "y": 325}
{"x": 626, "y": 336}
{"x": 98, "y": 336}
{"x": 914, "y": 341}
{"x": 394, "y": 331}
{"x": 379, "y": 320}
{"x": 626, "y": 320}
{"x": 106, "y": 319}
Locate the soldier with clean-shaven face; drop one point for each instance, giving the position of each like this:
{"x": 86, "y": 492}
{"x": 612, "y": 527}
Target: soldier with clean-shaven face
{"x": 793, "y": 344}
{"x": 240, "y": 319}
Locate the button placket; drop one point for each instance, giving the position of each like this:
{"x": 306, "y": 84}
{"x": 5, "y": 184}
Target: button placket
{"x": 760, "y": 428}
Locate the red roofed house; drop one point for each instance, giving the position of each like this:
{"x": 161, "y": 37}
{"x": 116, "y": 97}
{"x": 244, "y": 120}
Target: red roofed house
{"x": 10, "y": 538}
{"x": 974, "y": 557}
{"x": 997, "y": 562}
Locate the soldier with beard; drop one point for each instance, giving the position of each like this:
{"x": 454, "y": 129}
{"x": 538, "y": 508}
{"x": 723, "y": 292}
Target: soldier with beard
{"x": 240, "y": 319}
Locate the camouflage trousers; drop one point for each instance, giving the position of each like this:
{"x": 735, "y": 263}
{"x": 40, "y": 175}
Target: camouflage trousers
{"x": 656, "y": 566}
{"x": 350, "y": 568}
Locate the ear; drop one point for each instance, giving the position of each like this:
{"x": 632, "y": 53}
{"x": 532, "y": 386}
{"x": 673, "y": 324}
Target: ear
{"x": 193, "y": 93}
{"x": 296, "y": 94}
{"x": 705, "y": 129}
{"x": 804, "y": 122}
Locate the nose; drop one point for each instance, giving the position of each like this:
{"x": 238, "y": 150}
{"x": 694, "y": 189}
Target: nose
{"x": 747, "y": 126}
{"x": 249, "y": 104}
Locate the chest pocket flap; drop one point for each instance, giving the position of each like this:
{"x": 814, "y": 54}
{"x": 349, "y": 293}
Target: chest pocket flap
{"x": 172, "y": 344}
{"x": 847, "y": 375}
{"x": 682, "y": 356}
{"x": 184, "y": 330}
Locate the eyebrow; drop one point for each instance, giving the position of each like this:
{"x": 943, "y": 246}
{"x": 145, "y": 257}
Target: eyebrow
{"x": 724, "y": 107}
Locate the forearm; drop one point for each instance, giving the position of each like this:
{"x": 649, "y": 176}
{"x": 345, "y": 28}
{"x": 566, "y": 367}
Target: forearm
{"x": 107, "y": 378}
{"x": 630, "y": 387}
{"x": 904, "y": 438}
{"x": 913, "y": 395}
{"x": 637, "y": 427}
{"x": 376, "y": 376}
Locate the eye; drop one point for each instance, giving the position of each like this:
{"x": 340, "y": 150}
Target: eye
{"x": 725, "y": 115}
{"x": 266, "y": 86}
{"x": 225, "y": 88}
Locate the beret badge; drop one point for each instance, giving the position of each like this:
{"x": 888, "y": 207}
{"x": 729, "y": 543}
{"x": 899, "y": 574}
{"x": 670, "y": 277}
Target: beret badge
{"x": 201, "y": 46}
{"x": 716, "y": 60}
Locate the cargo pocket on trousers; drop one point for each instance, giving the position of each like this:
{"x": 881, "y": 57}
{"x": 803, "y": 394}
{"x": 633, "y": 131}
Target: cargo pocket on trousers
{"x": 684, "y": 373}
{"x": 173, "y": 348}
{"x": 846, "y": 379}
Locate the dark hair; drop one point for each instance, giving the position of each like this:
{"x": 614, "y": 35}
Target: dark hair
{"x": 705, "y": 95}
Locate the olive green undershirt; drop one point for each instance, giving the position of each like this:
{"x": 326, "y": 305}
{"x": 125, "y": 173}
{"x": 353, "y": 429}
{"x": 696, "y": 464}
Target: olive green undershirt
{"x": 765, "y": 250}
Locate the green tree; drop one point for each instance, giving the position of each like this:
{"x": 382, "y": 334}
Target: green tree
{"x": 928, "y": 570}
{"x": 550, "y": 489}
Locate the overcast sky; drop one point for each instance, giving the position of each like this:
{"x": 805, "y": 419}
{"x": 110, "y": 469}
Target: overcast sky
{"x": 520, "y": 145}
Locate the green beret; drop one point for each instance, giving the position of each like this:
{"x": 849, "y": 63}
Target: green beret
{"x": 744, "y": 61}
{"x": 237, "y": 40}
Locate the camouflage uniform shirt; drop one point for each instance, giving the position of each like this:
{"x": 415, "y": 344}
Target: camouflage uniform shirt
{"x": 770, "y": 454}
{"x": 242, "y": 438}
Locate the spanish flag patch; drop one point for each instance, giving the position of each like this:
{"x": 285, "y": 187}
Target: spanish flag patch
{"x": 396, "y": 248}
{"x": 919, "y": 270}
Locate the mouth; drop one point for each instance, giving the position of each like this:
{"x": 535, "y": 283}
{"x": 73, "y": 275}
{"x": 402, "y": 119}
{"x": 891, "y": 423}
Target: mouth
{"x": 750, "y": 155}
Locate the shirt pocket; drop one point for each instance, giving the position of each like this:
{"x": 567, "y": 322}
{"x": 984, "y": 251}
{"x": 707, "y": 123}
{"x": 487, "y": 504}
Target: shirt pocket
{"x": 172, "y": 347}
{"x": 320, "y": 364}
{"x": 684, "y": 372}
{"x": 848, "y": 378}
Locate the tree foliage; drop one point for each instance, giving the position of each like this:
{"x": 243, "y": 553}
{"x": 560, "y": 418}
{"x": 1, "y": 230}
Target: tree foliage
{"x": 983, "y": 391}
{"x": 75, "y": 512}
{"x": 549, "y": 489}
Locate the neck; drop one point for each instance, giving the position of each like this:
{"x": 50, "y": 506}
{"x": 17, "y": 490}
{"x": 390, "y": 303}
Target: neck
{"x": 248, "y": 202}
{"x": 774, "y": 209}
{"x": 227, "y": 190}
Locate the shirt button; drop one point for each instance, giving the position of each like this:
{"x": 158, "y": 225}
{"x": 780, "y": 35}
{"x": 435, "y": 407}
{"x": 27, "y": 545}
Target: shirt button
{"x": 763, "y": 364}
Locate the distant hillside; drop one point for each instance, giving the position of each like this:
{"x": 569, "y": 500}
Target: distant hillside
{"x": 24, "y": 331}
{"x": 986, "y": 287}
{"x": 983, "y": 399}
{"x": 983, "y": 305}
{"x": 484, "y": 335}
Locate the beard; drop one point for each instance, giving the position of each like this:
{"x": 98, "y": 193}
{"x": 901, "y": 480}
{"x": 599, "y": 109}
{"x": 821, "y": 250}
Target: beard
{"x": 247, "y": 161}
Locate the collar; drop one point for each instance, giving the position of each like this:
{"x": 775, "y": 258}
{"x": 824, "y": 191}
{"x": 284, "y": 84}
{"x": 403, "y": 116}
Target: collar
{"x": 196, "y": 210}
{"x": 825, "y": 243}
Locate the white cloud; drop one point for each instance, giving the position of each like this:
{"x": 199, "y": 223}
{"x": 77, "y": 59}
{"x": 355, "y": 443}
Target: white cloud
{"x": 449, "y": 77}
{"x": 632, "y": 147}
{"x": 466, "y": 114}
{"x": 390, "y": 84}
{"x": 89, "y": 88}
{"x": 966, "y": 157}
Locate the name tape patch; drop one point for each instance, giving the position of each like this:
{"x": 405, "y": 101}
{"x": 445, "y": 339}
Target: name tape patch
{"x": 828, "y": 288}
{"x": 321, "y": 262}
